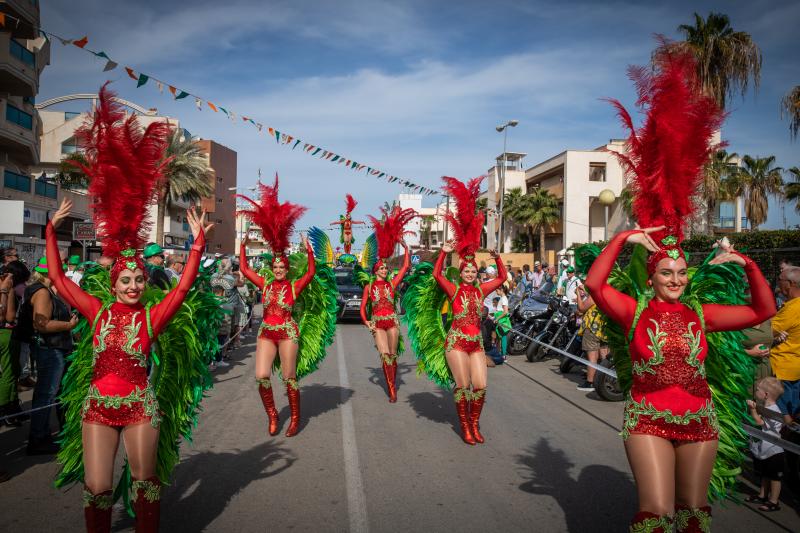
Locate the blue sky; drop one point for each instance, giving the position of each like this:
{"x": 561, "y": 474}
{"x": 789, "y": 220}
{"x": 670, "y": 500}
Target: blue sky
{"x": 414, "y": 88}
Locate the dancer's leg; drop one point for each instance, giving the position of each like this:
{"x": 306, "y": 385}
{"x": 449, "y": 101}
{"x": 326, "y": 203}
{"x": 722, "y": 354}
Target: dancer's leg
{"x": 265, "y": 356}
{"x": 694, "y": 463}
{"x": 478, "y": 373}
{"x": 100, "y": 445}
{"x": 287, "y": 351}
{"x": 141, "y": 447}
{"x": 652, "y": 461}
{"x": 459, "y": 364}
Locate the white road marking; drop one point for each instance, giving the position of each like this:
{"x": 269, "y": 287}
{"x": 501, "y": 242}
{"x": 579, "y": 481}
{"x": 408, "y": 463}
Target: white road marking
{"x": 356, "y": 499}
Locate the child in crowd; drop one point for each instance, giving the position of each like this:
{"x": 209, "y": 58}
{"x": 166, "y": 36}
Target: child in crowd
{"x": 224, "y": 328}
{"x": 768, "y": 458}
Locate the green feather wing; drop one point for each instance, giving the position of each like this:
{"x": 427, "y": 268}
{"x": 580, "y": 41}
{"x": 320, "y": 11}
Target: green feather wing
{"x": 729, "y": 370}
{"x": 423, "y": 301}
{"x": 323, "y": 251}
{"x": 369, "y": 254}
{"x": 315, "y": 311}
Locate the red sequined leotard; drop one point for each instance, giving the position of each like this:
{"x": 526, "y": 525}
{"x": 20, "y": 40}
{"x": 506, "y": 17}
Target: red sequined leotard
{"x": 120, "y": 393}
{"x": 465, "y": 330}
{"x": 380, "y": 295}
{"x": 278, "y": 298}
{"x": 669, "y": 396}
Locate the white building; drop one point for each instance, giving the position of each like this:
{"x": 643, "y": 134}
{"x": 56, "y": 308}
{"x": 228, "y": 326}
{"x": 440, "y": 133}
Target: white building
{"x": 576, "y": 178}
{"x": 430, "y": 228}
{"x": 514, "y": 176}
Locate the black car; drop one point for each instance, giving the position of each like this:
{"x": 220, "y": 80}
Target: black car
{"x": 349, "y": 298}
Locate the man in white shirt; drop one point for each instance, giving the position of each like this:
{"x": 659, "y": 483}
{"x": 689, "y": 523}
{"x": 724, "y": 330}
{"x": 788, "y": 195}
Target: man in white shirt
{"x": 571, "y": 286}
{"x": 537, "y": 276}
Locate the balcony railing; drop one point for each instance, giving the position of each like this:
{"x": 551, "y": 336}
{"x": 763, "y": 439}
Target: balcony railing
{"x": 728, "y": 222}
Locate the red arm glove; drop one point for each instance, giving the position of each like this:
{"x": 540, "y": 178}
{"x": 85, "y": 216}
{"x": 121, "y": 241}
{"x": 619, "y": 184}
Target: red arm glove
{"x": 617, "y": 305}
{"x": 398, "y": 279}
{"x": 446, "y": 285}
{"x": 306, "y": 278}
{"x": 364, "y": 297}
{"x": 86, "y": 304}
{"x": 166, "y": 308}
{"x": 734, "y": 317}
{"x": 502, "y": 277}
{"x": 245, "y": 269}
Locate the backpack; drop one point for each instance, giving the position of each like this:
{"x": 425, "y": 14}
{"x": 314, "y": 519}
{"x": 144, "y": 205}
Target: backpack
{"x": 23, "y": 331}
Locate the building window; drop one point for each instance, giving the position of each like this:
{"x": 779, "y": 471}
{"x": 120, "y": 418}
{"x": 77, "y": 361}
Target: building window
{"x": 185, "y": 226}
{"x": 15, "y": 181}
{"x": 70, "y": 146}
{"x": 219, "y": 180}
{"x": 22, "y": 53}
{"x": 219, "y": 221}
{"x": 43, "y": 188}
{"x": 597, "y": 172}
{"x": 219, "y": 200}
{"x": 70, "y": 115}
{"x": 18, "y": 116}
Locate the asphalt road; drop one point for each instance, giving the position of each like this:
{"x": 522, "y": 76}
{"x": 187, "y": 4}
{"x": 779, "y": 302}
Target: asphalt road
{"x": 553, "y": 460}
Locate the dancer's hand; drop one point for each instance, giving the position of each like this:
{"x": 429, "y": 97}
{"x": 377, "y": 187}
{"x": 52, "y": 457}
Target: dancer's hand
{"x": 643, "y": 237}
{"x": 448, "y": 247}
{"x": 246, "y": 240}
{"x": 493, "y": 254}
{"x": 197, "y": 223}
{"x": 728, "y": 255}
{"x": 62, "y": 213}
{"x": 304, "y": 240}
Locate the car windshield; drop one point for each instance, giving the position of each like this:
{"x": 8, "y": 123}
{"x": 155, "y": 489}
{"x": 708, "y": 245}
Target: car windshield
{"x": 344, "y": 277}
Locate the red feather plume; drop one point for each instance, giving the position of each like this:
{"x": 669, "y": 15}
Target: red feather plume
{"x": 351, "y": 203}
{"x": 124, "y": 163}
{"x": 389, "y": 230}
{"x": 665, "y": 157}
{"x": 276, "y": 220}
{"x": 467, "y": 222}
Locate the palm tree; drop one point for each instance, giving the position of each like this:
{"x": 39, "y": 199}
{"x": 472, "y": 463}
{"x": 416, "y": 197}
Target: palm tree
{"x": 792, "y": 190}
{"x": 727, "y": 60}
{"x": 70, "y": 173}
{"x": 790, "y": 107}
{"x": 427, "y": 222}
{"x": 626, "y": 199}
{"x": 186, "y": 177}
{"x": 544, "y": 212}
{"x": 713, "y": 188}
{"x": 517, "y": 207}
{"x": 755, "y": 181}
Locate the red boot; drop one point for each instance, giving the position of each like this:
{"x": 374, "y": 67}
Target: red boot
{"x": 97, "y": 511}
{"x": 387, "y": 374}
{"x": 394, "y": 378}
{"x": 475, "y": 408}
{"x": 644, "y": 521}
{"x": 461, "y": 396}
{"x": 692, "y": 519}
{"x": 147, "y": 504}
{"x": 293, "y": 393}
{"x": 265, "y": 391}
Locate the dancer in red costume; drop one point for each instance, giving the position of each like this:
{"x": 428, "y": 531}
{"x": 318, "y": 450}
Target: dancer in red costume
{"x": 123, "y": 166}
{"x": 464, "y": 343}
{"x": 671, "y": 427}
{"x": 379, "y": 293}
{"x": 279, "y": 333}
{"x": 346, "y": 222}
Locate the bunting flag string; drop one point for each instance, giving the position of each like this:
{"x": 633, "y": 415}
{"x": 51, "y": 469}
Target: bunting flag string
{"x": 280, "y": 137}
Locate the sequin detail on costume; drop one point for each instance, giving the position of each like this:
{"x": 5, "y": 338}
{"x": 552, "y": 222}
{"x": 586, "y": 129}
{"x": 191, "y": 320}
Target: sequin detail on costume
{"x": 381, "y": 296}
{"x": 278, "y": 323}
{"x": 670, "y": 397}
{"x": 120, "y": 393}
{"x": 465, "y": 332}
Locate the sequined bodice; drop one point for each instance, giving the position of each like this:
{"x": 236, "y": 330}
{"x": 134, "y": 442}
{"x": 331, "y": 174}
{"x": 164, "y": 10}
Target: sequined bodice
{"x": 467, "y": 308}
{"x": 381, "y": 296}
{"x": 278, "y": 302}
{"x": 121, "y": 349}
{"x": 668, "y": 350}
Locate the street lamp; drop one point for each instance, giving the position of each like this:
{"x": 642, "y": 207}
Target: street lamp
{"x": 504, "y": 130}
{"x": 606, "y": 198}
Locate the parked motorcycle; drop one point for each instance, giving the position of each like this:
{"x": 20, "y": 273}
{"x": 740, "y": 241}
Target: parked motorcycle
{"x": 527, "y": 318}
{"x": 557, "y": 329}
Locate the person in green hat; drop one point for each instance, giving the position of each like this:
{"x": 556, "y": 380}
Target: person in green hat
{"x": 73, "y": 272}
{"x": 154, "y": 263}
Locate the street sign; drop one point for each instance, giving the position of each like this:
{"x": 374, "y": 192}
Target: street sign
{"x": 83, "y": 231}
{"x": 414, "y": 259}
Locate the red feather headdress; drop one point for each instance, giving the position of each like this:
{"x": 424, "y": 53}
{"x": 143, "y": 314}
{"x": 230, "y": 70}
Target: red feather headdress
{"x": 351, "y": 204}
{"x": 276, "y": 220}
{"x": 124, "y": 163}
{"x": 467, "y": 222}
{"x": 665, "y": 157}
{"x": 389, "y": 230}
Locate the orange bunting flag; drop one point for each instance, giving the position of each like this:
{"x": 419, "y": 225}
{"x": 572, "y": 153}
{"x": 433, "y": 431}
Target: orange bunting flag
{"x": 212, "y": 106}
{"x": 80, "y": 43}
